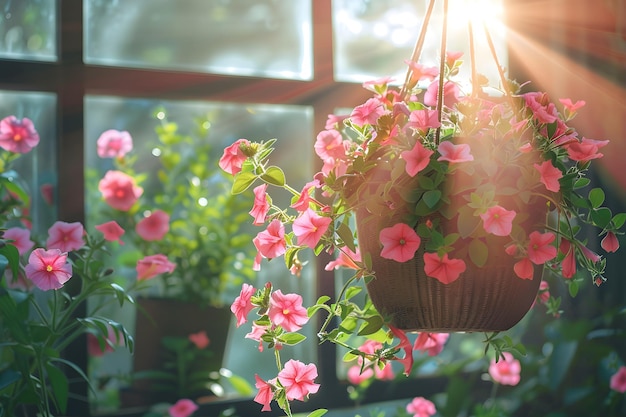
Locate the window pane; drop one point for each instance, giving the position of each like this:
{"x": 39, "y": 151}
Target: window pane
{"x": 292, "y": 125}
{"x": 268, "y": 38}
{"x": 28, "y": 30}
{"x": 374, "y": 38}
{"x": 38, "y": 167}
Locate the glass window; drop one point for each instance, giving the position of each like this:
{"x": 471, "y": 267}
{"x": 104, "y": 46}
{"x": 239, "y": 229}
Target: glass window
{"x": 28, "y": 30}
{"x": 37, "y": 168}
{"x": 291, "y": 125}
{"x": 373, "y": 39}
{"x": 222, "y": 37}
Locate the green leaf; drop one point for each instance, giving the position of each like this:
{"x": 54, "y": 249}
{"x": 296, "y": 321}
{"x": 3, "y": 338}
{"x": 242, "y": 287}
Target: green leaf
{"x": 619, "y": 220}
{"x": 601, "y": 217}
{"x": 478, "y": 252}
{"x": 432, "y": 198}
{"x": 318, "y": 413}
{"x": 292, "y": 338}
{"x": 596, "y": 197}
{"x": 371, "y": 325}
{"x": 240, "y": 385}
{"x": 60, "y": 386}
{"x": 582, "y": 182}
{"x": 242, "y": 181}
{"x": 274, "y": 175}
{"x": 346, "y": 235}
{"x": 467, "y": 222}
{"x": 352, "y": 291}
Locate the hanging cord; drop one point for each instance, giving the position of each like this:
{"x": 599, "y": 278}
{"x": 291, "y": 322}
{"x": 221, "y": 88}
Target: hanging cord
{"x": 442, "y": 68}
{"x": 417, "y": 50}
{"x": 474, "y": 75}
{"x": 492, "y": 49}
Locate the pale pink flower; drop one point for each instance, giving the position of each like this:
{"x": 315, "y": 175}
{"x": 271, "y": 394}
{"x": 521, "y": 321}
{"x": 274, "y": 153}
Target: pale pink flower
{"x": 568, "y": 265}
{"x": 154, "y": 226}
{"x": 589, "y": 254}
{"x": 407, "y": 361}
{"x": 423, "y": 119}
{"x": 93, "y": 344}
{"x": 48, "y": 269}
{"x": 543, "y": 111}
{"x": 618, "y": 380}
{"x": 256, "y": 333}
{"x": 333, "y": 121}
{"x": 498, "y": 221}
{"x": 524, "y": 269}
{"x": 420, "y": 72}
{"x": 265, "y": 394}
{"x": 65, "y": 236}
{"x": 432, "y": 343}
{"x": 416, "y": 159}
{"x": 572, "y": 107}
{"x": 610, "y": 243}
{"x": 452, "y": 57}
{"x": 451, "y": 93}
{"x": 200, "y": 339}
{"x": 444, "y": 269}
{"x": 18, "y": 136}
{"x": 271, "y": 242}
{"x": 400, "y": 242}
{"x": 119, "y": 190}
{"x": 355, "y": 376}
{"x": 21, "y": 239}
{"x": 550, "y": 175}
{"x": 183, "y": 408}
{"x": 243, "y": 304}
{"x": 454, "y": 153}
{"x": 586, "y": 149}
{"x": 114, "y": 144}
{"x": 111, "y": 231}
{"x": 370, "y": 347}
{"x": 286, "y": 310}
{"x": 233, "y": 157}
{"x": 540, "y": 248}
{"x": 367, "y": 113}
{"x": 506, "y": 371}
{"x": 303, "y": 201}
{"x": 261, "y": 205}
{"x": 421, "y": 407}
{"x": 153, "y": 265}
{"x": 346, "y": 259}
{"x": 297, "y": 378}
{"x": 309, "y": 227}
{"x": 329, "y": 144}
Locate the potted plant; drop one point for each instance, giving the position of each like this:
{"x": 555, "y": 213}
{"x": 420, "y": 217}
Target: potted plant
{"x": 180, "y": 216}
{"x": 44, "y": 284}
{"x": 461, "y": 202}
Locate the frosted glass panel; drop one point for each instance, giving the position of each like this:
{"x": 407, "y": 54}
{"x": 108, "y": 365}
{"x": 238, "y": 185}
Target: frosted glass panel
{"x": 267, "y": 38}
{"x": 28, "y": 30}
{"x": 291, "y": 125}
{"x": 373, "y": 39}
{"x": 38, "y": 167}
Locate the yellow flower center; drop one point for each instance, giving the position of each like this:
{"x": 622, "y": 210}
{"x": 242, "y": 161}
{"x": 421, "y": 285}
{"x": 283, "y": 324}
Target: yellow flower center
{"x": 285, "y": 311}
{"x": 17, "y": 137}
{"x": 49, "y": 268}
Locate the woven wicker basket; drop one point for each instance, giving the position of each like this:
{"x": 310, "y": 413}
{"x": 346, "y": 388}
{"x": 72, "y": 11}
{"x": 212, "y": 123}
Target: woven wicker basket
{"x": 491, "y": 298}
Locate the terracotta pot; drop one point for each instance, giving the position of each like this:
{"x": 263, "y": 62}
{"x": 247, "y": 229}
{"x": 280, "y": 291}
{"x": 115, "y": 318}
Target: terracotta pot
{"x": 158, "y": 318}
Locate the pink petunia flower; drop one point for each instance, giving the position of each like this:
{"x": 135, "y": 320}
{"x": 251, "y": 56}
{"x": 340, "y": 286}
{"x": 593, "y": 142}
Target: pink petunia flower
{"x": 367, "y": 113}
{"x": 356, "y": 375}
{"x": 243, "y": 304}
{"x": 506, "y": 371}
{"x": 183, "y": 408}
{"x": 65, "y": 236}
{"x": 257, "y": 333}
{"x": 114, "y": 144}
{"x": 333, "y": 121}
{"x": 21, "y": 239}
{"x": 568, "y": 265}
{"x": 498, "y": 221}
{"x": 48, "y": 269}
{"x": 540, "y": 249}
{"x": 18, "y": 136}
{"x": 265, "y": 394}
{"x": 550, "y": 175}
{"x": 303, "y": 201}
{"x": 261, "y": 205}
{"x": 233, "y": 157}
{"x": 420, "y": 72}
{"x": 346, "y": 259}
{"x": 421, "y": 407}
{"x": 405, "y": 345}
{"x": 309, "y": 227}
{"x": 112, "y": 231}
{"x": 432, "y": 343}
{"x": 400, "y": 242}
{"x": 297, "y": 378}
{"x": 423, "y": 119}
{"x": 93, "y": 345}
{"x": 200, "y": 339}
{"x": 286, "y": 311}
{"x": 524, "y": 269}
{"x": 271, "y": 242}
{"x": 416, "y": 159}
{"x": 572, "y": 107}
{"x": 618, "y": 380}
{"x": 154, "y": 226}
{"x": 586, "y": 149}
{"x": 153, "y": 265}
{"x": 444, "y": 269}
{"x": 454, "y": 153}
{"x": 119, "y": 190}
{"x": 329, "y": 144}
{"x": 451, "y": 93}
{"x": 609, "y": 242}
